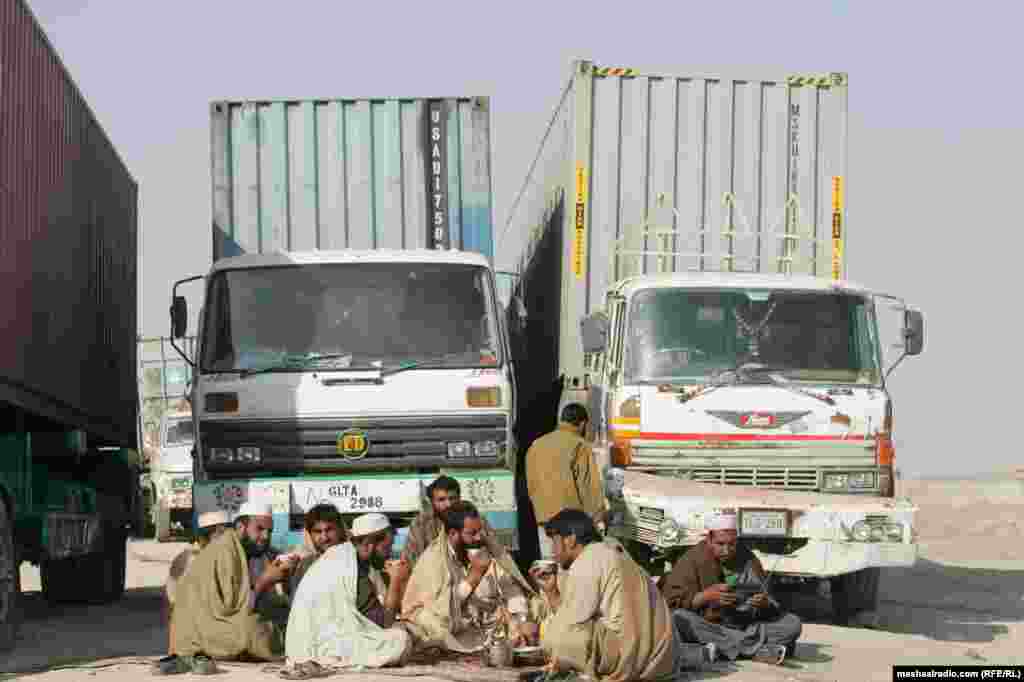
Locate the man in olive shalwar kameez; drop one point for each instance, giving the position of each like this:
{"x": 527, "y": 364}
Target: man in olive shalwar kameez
{"x": 607, "y": 619}
{"x": 227, "y": 606}
{"x": 700, "y": 590}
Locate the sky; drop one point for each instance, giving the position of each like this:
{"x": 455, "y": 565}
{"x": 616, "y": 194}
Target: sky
{"x": 935, "y": 127}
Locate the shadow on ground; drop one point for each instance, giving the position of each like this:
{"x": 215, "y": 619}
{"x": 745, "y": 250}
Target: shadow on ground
{"x": 942, "y": 602}
{"x": 55, "y": 635}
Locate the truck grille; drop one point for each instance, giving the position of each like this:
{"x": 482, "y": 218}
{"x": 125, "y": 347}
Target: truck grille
{"x": 763, "y": 477}
{"x": 644, "y": 526}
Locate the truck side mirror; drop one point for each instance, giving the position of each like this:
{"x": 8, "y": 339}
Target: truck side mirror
{"x": 914, "y": 332}
{"x": 594, "y": 332}
{"x": 179, "y": 317}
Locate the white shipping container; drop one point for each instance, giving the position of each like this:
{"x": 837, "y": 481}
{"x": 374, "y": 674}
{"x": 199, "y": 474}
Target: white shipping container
{"x": 737, "y": 173}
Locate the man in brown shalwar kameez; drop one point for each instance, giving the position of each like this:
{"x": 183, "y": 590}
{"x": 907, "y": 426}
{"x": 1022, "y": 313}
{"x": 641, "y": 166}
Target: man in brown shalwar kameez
{"x": 427, "y": 526}
{"x": 607, "y": 619}
{"x": 705, "y": 606}
{"x": 562, "y": 473}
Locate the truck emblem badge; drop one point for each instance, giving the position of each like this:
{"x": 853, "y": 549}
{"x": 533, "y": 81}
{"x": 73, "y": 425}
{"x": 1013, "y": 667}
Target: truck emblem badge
{"x": 353, "y": 444}
{"x": 757, "y": 420}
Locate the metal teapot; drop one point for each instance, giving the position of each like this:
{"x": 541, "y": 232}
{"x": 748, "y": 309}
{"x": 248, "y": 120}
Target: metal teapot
{"x": 499, "y": 653}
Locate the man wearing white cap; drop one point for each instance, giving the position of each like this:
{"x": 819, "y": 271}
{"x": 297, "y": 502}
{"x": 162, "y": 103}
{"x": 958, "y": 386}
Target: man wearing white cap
{"x": 342, "y": 613}
{"x": 718, "y": 591}
{"x": 219, "y": 609}
{"x": 208, "y": 526}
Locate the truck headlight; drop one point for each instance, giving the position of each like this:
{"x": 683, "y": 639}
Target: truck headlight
{"x": 669, "y": 533}
{"x": 614, "y": 482}
{"x": 222, "y": 455}
{"x": 486, "y": 448}
{"x": 856, "y": 480}
{"x": 866, "y": 531}
{"x": 249, "y": 454}
{"x": 458, "y": 450}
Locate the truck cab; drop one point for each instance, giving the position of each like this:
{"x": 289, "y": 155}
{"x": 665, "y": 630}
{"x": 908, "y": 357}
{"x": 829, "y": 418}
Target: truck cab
{"x": 355, "y": 378}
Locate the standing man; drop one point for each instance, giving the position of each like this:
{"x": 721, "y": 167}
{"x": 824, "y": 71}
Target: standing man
{"x": 607, "y": 619}
{"x": 342, "y": 615}
{"x": 427, "y": 526}
{"x": 561, "y": 473}
{"x": 323, "y": 531}
{"x": 209, "y": 526}
{"x": 702, "y": 591}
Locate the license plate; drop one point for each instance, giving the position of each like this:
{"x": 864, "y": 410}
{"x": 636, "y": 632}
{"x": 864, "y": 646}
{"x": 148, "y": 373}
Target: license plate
{"x": 358, "y": 496}
{"x": 181, "y": 484}
{"x": 764, "y": 523}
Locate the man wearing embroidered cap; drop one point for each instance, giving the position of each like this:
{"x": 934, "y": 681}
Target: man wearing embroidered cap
{"x": 704, "y": 589}
{"x": 342, "y": 613}
{"x": 226, "y": 606}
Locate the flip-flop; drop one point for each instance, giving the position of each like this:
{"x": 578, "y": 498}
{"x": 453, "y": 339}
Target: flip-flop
{"x": 310, "y": 670}
{"x": 773, "y": 654}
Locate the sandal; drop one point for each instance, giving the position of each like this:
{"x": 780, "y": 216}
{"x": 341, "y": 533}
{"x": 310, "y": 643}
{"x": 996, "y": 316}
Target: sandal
{"x": 773, "y": 654}
{"x": 309, "y": 670}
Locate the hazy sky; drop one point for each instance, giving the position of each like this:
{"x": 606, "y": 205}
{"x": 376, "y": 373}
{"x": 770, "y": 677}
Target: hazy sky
{"x": 936, "y": 136}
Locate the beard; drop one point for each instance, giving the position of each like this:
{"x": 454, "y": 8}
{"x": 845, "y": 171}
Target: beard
{"x": 253, "y": 550}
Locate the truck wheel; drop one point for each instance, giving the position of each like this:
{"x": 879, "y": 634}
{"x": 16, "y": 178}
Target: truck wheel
{"x": 113, "y": 566}
{"x": 853, "y": 593}
{"x": 10, "y": 582}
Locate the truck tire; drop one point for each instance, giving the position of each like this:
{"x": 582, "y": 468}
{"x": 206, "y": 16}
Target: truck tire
{"x": 10, "y": 582}
{"x": 113, "y": 568}
{"x": 854, "y": 593}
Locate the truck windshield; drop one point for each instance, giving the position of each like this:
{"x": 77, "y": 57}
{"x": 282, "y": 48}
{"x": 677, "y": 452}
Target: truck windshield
{"x": 179, "y": 432}
{"x": 351, "y": 315}
{"x": 687, "y": 335}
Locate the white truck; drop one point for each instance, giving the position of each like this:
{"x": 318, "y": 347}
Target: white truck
{"x": 170, "y": 476}
{"x": 691, "y": 232}
{"x": 350, "y": 345}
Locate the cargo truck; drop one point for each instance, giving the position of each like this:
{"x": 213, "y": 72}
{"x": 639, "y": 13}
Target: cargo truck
{"x": 350, "y": 345}
{"x": 170, "y": 476}
{"x": 679, "y": 243}
{"x": 69, "y": 465}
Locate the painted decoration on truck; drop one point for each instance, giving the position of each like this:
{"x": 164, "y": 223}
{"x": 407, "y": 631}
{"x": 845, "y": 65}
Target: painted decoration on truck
{"x": 579, "y": 241}
{"x": 487, "y": 493}
{"x": 230, "y": 495}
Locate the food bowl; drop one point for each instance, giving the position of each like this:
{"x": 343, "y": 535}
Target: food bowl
{"x": 528, "y": 655}
{"x": 545, "y": 566}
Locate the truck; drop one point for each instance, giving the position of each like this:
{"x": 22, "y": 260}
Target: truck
{"x": 170, "y": 476}
{"x": 69, "y": 464}
{"x": 350, "y": 345}
{"x": 679, "y": 250}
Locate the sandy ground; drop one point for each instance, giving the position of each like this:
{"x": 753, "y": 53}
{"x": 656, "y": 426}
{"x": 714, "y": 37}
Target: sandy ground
{"x": 962, "y": 604}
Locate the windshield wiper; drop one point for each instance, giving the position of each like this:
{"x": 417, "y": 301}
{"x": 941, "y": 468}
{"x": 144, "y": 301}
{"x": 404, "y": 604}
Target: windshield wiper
{"x": 745, "y": 371}
{"x": 291, "y": 363}
{"x": 431, "y": 363}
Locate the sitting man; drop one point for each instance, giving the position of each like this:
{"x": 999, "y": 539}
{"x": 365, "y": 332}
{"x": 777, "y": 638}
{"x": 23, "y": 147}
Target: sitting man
{"x": 424, "y": 529}
{"x": 606, "y": 619}
{"x": 226, "y": 606}
{"x": 706, "y": 609}
{"x": 209, "y": 526}
{"x": 464, "y": 587}
{"x": 341, "y": 614}
{"x": 323, "y": 530}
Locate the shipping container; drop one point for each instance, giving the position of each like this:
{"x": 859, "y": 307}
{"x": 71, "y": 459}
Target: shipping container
{"x": 68, "y": 222}
{"x": 351, "y": 173}
{"x": 727, "y": 170}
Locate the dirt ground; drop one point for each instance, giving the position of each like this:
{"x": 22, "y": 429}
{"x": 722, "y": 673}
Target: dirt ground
{"x": 962, "y": 604}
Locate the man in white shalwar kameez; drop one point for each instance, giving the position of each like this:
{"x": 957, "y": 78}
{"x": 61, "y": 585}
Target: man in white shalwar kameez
{"x": 337, "y": 616}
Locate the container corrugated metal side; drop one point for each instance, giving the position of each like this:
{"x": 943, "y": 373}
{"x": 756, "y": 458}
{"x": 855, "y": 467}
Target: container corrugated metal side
{"x": 68, "y": 230}
{"x": 701, "y": 156}
{"x": 351, "y": 173}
